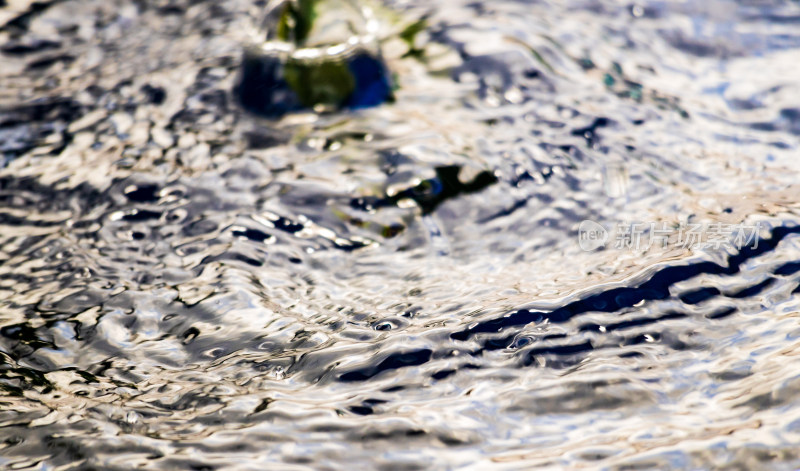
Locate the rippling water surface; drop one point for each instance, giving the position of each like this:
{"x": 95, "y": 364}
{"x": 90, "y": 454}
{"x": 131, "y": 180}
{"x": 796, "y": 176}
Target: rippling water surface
{"x": 184, "y": 285}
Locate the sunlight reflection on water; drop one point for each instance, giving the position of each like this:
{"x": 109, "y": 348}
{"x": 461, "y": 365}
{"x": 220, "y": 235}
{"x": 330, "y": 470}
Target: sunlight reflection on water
{"x": 186, "y": 285}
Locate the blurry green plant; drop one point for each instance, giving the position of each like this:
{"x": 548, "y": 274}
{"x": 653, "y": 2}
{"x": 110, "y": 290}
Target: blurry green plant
{"x": 326, "y": 84}
{"x": 296, "y": 21}
{"x": 409, "y": 36}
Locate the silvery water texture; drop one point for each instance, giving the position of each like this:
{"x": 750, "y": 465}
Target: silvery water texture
{"x": 184, "y": 285}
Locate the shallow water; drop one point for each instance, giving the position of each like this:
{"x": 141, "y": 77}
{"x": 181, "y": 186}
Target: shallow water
{"x": 184, "y": 285}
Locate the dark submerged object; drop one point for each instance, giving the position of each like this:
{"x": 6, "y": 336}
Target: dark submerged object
{"x": 297, "y": 67}
{"x": 432, "y": 192}
{"x": 271, "y": 87}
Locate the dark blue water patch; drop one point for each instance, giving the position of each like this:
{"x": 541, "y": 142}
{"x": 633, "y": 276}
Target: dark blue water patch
{"x": 399, "y": 434}
{"x": 555, "y": 336}
{"x": 791, "y": 116}
{"x": 721, "y": 313}
{"x": 392, "y": 362}
{"x": 361, "y": 410}
{"x": 699, "y": 295}
{"x": 287, "y": 225}
{"x": 41, "y": 110}
{"x": 16, "y": 48}
{"x": 253, "y": 234}
{"x": 589, "y": 133}
{"x": 7, "y": 219}
{"x": 171, "y": 9}
{"x": 373, "y": 86}
{"x": 154, "y": 95}
{"x": 443, "y": 374}
{"x": 46, "y": 62}
{"x": 28, "y": 125}
{"x": 369, "y": 203}
{"x": 189, "y": 335}
{"x": 788, "y": 120}
{"x": 511, "y": 341}
{"x": 446, "y": 373}
{"x": 262, "y": 89}
{"x": 608, "y": 301}
{"x": 143, "y": 193}
{"x": 753, "y": 290}
{"x": 638, "y": 322}
{"x": 21, "y": 22}
{"x": 521, "y": 317}
{"x": 140, "y": 215}
{"x": 493, "y": 344}
{"x": 632, "y": 354}
{"x": 216, "y": 99}
{"x": 618, "y": 299}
